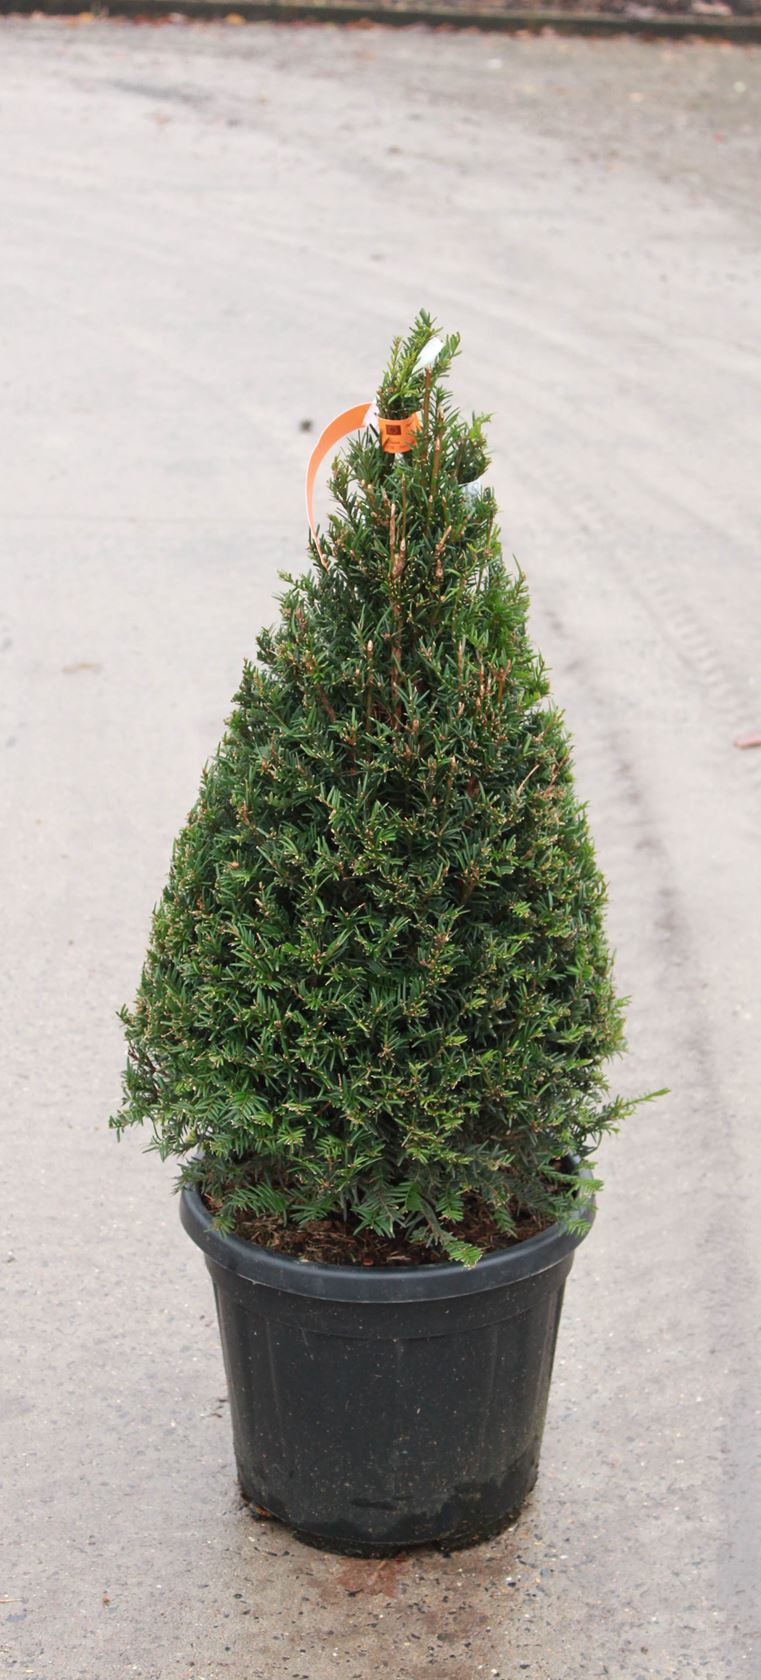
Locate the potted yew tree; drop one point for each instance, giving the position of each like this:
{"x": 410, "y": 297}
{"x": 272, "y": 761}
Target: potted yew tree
{"x": 377, "y": 1006}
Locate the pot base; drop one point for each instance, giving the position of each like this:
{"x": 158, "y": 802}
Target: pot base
{"x": 460, "y": 1539}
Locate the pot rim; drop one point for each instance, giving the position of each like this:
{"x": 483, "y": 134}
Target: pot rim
{"x": 378, "y": 1284}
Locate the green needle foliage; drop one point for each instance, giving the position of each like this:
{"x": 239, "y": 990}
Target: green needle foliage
{"x": 378, "y": 979}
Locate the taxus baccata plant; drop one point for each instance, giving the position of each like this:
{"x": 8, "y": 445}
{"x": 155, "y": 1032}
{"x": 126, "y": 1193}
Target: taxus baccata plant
{"x": 378, "y": 981}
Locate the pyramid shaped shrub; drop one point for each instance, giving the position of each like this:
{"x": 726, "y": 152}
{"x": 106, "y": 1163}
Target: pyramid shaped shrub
{"x": 378, "y": 986}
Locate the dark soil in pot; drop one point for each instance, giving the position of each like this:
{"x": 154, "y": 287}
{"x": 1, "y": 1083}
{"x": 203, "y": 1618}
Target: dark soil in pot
{"x": 338, "y": 1242}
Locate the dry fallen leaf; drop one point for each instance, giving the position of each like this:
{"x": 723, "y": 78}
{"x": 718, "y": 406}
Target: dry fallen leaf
{"x": 81, "y": 665}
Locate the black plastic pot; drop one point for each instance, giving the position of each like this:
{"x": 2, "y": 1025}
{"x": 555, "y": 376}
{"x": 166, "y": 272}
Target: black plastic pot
{"x": 376, "y": 1408}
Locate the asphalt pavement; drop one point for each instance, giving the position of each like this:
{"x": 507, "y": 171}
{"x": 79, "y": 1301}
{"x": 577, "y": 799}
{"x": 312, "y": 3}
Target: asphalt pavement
{"x": 209, "y": 235}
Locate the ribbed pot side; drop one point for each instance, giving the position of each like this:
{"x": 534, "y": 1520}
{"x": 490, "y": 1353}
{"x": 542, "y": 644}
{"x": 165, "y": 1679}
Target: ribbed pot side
{"x": 376, "y": 1408}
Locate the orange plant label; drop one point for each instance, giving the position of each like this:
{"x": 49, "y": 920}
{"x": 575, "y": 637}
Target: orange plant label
{"x": 397, "y": 436}
{"x": 350, "y": 421}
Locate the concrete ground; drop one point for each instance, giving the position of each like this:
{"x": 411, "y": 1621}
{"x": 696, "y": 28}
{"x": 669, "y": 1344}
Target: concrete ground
{"x": 209, "y": 235}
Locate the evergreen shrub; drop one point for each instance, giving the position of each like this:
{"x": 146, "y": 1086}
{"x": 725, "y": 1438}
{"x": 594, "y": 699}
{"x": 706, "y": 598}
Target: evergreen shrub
{"x": 378, "y": 984}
